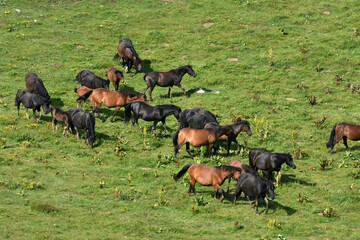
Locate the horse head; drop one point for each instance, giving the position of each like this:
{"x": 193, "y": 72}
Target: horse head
{"x": 190, "y": 71}
{"x": 270, "y": 189}
{"x": 247, "y": 128}
{"x": 46, "y": 106}
{"x": 290, "y": 161}
{"x": 120, "y": 75}
{"x": 177, "y": 113}
{"x": 138, "y": 62}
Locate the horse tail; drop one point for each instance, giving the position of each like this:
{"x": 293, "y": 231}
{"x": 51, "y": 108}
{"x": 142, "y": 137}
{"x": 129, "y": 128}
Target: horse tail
{"x": 127, "y": 113}
{"x": 85, "y": 96}
{"x": 332, "y": 138}
{"x": 144, "y": 77}
{"x": 182, "y": 172}
{"x": 116, "y": 56}
{"x": 75, "y": 89}
{"x": 175, "y": 139}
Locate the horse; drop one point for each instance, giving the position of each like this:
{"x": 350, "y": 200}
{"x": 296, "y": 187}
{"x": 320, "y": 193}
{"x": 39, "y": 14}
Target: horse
{"x": 115, "y": 76}
{"x": 33, "y": 101}
{"x": 234, "y": 129}
{"x": 81, "y": 91}
{"x": 110, "y": 99}
{"x": 35, "y": 85}
{"x": 167, "y": 79}
{"x": 90, "y": 80}
{"x": 59, "y": 115}
{"x": 83, "y": 120}
{"x": 197, "y": 138}
{"x": 260, "y": 159}
{"x": 343, "y": 131}
{"x": 150, "y": 113}
{"x": 254, "y": 186}
{"x": 196, "y": 118}
{"x": 127, "y": 52}
{"x": 208, "y": 176}
{"x": 244, "y": 167}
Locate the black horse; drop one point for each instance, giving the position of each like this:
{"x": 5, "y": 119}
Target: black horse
{"x": 167, "y": 79}
{"x": 83, "y": 120}
{"x": 254, "y": 186}
{"x": 196, "y": 118}
{"x": 32, "y": 101}
{"x": 35, "y": 85}
{"x": 90, "y": 80}
{"x": 260, "y": 159}
{"x": 234, "y": 130}
{"x": 127, "y": 52}
{"x": 150, "y": 113}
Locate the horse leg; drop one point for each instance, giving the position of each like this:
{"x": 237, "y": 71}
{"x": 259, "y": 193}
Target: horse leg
{"x": 53, "y": 124}
{"x": 257, "y": 205}
{"x": 153, "y": 126}
{"x": 123, "y": 62}
{"x": 150, "y": 92}
{"x": 95, "y": 110}
{"x": 40, "y": 114}
{"x": 210, "y": 150}
{"x": 238, "y": 146}
{"x": 248, "y": 198}
{"x": 66, "y": 127}
{"x": 117, "y": 109}
{"x": 192, "y": 185}
{"x": 188, "y": 150}
{"x": 132, "y": 124}
{"x": 169, "y": 92}
{"x": 218, "y": 187}
{"x": 267, "y": 205}
{"x": 26, "y": 113}
{"x": 85, "y": 136}
{"x": 228, "y": 187}
{"x": 77, "y": 134}
{"x": 345, "y": 143}
{"x": 164, "y": 124}
{"x": 34, "y": 114}
{"x": 179, "y": 85}
{"x": 137, "y": 122}
{"x": 146, "y": 88}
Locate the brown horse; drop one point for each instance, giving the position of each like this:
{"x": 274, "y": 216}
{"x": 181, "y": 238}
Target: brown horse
{"x": 111, "y": 99}
{"x": 244, "y": 167}
{"x": 115, "y": 76}
{"x": 197, "y": 138}
{"x": 127, "y": 52}
{"x": 343, "y": 131}
{"x": 35, "y": 85}
{"x": 208, "y": 176}
{"x": 59, "y": 115}
{"x": 81, "y": 91}
{"x": 234, "y": 130}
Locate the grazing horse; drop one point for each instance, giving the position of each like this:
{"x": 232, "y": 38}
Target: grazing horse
{"x": 90, "y": 80}
{"x": 81, "y": 91}
{"x": 111, "y": 99}
{"x": 244, "y": 167}
{"x": 127, "y": 52}
{"x": 59, "y": 115}
{"x": 167, "y": 79}
{"x": 254, "y": 186}
{"x": 260, "y": 159}
{"x": 196, "y": 118}
{"x": 150, "y": 113}
{"x": 208, "y": 176}
{"x": 83, "y": 120}
{"x": 234, "y": 130}
{"x": 343, "y": 131}
{"x": 197, "y": 138}
{"x": 32, "y": 101}
{"x": 115, "y": 76}
{"x": 35, "y": 85}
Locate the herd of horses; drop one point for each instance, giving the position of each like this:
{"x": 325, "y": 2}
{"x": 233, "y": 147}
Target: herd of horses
{"x": 198, "y": 127}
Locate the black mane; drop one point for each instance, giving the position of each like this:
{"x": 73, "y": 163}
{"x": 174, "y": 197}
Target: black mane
{"x": 228, "y": 168}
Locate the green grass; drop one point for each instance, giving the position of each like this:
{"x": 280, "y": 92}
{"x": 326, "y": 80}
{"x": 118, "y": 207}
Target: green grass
{"x": 283, "y": 50}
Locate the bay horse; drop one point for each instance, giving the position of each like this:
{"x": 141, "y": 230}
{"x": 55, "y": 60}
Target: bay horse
{"x": 244, "y": 167}
{"x": 343, "y": 131}
{"x": 81, "y": 91}
{"x": 196, "y": 118}
{"x": 83, "y": 120}
{"x": 127, "y": 52}
{"x": 150, "y": 113}
{"x": 115, "y": 76}
{"x": 208, "y": 176}
{"x": 254, "y": 186}
{"x": 234, "y": 130}
{"x": 32, "y": 101}
{"x": 90, "y": 80}
{"x": 59, "y": 115}
{"x": 111, "y": 99}
{"x": 167, "y": 79}
{"x": 260, "y": 159}
{"x": 35, "y": 85}
{"x": 197, "y": 138}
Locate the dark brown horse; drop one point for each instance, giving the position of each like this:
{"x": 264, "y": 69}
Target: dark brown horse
{"x": 35, "y": 85}
{"x": 244, "y": 167}
{"x": 343, "y": 131}
{"x": 234, "y": 130}
{"x": 115, "y": 76}
{"x": 59, "y": 115}
{"x": 111, "y": 99}
{"x": 197, "y": 138}
{"x": 167, "y": 79}
{"x": 127, "y": 52}
{"x": 208, "y": 176}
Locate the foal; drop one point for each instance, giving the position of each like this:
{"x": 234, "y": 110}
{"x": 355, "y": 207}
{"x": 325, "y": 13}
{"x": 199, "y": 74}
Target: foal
{"x": 59, "y": 115}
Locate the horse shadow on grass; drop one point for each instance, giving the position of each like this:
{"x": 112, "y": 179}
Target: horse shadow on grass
{"x": 146, "y": 66}
{"x": 57, "y": 102}
{"x": 292, "y": 178}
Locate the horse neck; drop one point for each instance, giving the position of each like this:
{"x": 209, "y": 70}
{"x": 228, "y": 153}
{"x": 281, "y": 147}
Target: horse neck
{"x": 280, "y": 158}
{"x": 168, "y": 110}
{"x": 181, "y": 71}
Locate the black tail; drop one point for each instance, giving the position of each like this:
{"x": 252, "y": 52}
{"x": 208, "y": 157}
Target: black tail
{"x": 75, "y": 89}
{"x": 85, "y": 96}
{"x": 182, "y": 172}
{"x": 127, "y": 113}
{"x": 116, "y": 56}
{"x": 175, "y": 139}
{"x": 332, "y": 138}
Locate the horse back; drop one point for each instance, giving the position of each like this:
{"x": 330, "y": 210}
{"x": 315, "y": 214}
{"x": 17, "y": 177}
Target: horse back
{"x": 202, "y": 174}
{"x": 349, "y": 130}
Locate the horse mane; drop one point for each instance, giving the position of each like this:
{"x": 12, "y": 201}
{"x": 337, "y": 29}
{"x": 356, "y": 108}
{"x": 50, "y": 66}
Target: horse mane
{"x": 133, "y": 94}
{"x": 228, "y": 168}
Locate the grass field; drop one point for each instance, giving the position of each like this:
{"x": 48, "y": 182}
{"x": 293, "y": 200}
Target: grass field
{"x": 291, "y": 68}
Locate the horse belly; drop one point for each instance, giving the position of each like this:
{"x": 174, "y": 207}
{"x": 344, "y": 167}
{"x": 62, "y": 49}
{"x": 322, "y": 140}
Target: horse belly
{"x": 203, "y": 180}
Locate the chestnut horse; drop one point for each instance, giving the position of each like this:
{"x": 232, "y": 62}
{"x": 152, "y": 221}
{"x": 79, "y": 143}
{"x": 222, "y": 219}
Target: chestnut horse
{"x": 59, "y": 115}
{"x": 115, "y": 76}
{"x": 81, "y": 91}
{"x": 111, "y": 99}
{"x": 127, "y": 52}
{"x": 244, "y": 167}
{"x": 208, "y": 176}
{"x": 197, "y": 138}
{"x": 343, "y": 131}
{"x": 234, "y": 130}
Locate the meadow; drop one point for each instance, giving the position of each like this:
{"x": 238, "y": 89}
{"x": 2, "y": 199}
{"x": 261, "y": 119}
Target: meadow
{"x": 291, "y": 68}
